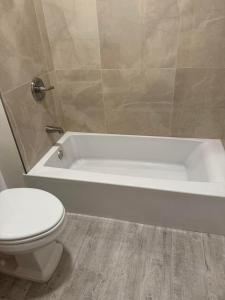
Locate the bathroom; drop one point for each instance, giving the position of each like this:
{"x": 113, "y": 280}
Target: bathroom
{"x": 112, "y": 166}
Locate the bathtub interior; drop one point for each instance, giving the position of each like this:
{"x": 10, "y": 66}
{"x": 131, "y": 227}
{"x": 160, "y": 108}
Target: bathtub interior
{"x": 194, "y": 160}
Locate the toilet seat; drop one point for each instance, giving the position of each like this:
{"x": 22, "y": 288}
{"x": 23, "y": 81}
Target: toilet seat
{"x": 30, "y": 223}
{"x": 26, "y": 245}
{"x": 34, "y": 238}
{"x": 27, "y": 215}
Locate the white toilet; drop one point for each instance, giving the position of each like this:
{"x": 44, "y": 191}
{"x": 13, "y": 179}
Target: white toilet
{"x": 30, "y": 222}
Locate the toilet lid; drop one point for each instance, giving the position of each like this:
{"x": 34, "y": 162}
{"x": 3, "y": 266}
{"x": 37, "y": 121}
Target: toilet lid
{"x": 26, "y": 212}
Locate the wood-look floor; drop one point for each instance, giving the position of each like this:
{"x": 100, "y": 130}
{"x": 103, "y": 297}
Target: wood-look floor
{"x": 108, "y": 259}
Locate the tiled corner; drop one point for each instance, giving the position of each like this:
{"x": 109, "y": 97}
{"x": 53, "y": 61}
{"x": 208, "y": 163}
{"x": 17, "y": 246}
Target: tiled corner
{"x": 28, "y": 119}
{"x": 21, "y": 52}
{"x": 47, "y": 55}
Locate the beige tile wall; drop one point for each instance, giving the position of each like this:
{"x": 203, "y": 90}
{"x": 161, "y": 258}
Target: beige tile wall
{"x": 24, "y": 54}
{"x": 121, "y": 66}
{"x": 140, "y": 66}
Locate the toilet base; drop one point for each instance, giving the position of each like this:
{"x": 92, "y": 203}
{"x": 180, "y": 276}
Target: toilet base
{"x": 38, "y": 265}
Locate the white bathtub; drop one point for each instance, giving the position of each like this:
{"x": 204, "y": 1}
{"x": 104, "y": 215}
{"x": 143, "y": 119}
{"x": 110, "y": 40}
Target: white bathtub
{"x": 172, "y": 182}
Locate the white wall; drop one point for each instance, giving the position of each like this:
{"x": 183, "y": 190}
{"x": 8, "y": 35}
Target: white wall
{"x": 10, "y": 163}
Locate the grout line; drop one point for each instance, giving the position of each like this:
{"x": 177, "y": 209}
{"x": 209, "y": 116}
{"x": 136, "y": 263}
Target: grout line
{"x": 176, "y": 64}
{"x": 104, "y": 104}
{"x": 142, "y": 12}
{"x": 48, "y": 37}
{"x": 43, "y": 44}
{"x": 138, "y": 68}
{"x": 101, "y": 70}
{"x": 98, "y": 34}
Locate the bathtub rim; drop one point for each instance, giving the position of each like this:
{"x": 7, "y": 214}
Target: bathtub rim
{"x": 189, "y": 187}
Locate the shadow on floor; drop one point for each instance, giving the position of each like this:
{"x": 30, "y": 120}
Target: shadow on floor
{"x": 60, "y": 276}
{"x": 20, "y": 289}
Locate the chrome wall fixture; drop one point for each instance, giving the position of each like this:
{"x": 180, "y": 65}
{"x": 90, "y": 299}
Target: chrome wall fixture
{"x": 53, "y": 129}
{"x": 38, "y": 89}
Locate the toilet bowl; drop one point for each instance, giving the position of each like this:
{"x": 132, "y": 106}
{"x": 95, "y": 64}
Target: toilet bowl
{"x": 30, "y": 222}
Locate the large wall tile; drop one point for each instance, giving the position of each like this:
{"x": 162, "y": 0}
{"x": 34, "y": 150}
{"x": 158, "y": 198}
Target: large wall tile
{"x": 202, "y": 34}
{"x": 44, "y": 35}
{"x": 73, "y": 33}
{"x": 198, "y": 122}
{"x": 28, "y": 119}
{"x": 80, "y": 92}
{"x": 21, "y": 52}
{"x": 159, "y": 84}
{"x": 148, "y": 119}
{"x": 200, "y": 88}
{"x": 122, "y": 87}
{"x": 120, "y": 33}
{"x": 113, "y": 63}
{"x": 160, "y": 33}
{"x": 56, "y": 100}
{"x": 125, "y": 87}
{"x": 199, "y": 106}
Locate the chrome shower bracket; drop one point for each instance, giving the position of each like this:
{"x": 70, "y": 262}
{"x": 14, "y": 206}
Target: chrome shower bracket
{"x": 38, "y": 89}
